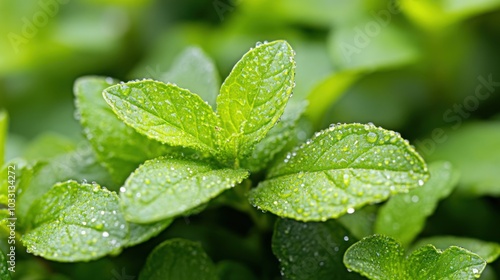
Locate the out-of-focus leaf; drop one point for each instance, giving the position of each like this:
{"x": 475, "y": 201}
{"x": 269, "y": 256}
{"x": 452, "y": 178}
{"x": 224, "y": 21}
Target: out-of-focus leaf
{"x": 48, "y": 145}
{"x": 230, "y": 270}
{"x": 178, "y": 259}
{"x": 326, "y": 92}
{"x": 312, "y": 250}
{"x": 365, "y": 48}
{"x": 403, "y": 216}
{"x": 195, "y": 71}
{"x": 473, "y": 150}
{"x": 4, "y": 267}
{"x": 316, "y": 12}
{"x": 441, "y": 13}
{"x": 361, "y": 222}
{"x": 4, "y": 119}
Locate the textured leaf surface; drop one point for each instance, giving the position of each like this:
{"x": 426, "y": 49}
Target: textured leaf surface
{"x": 80, "y": 165}
{"x": 489, "y": 251}
{"x": 165, "y": 112}
{"x": 195, "y": 71}
{"x": 254, "y": 96}
{"x": 117, "y": 146}
{"x": 277, "y": 138}
{"x": 477, "y": 164}
{"x": 178, "y": 259}
{"x": 452, "y": 263}
{"x": 340, "y": 169}
{"x": 3, "y": 134}
{"x": 139, "y": 233}
{"x": 381, "y": 257}
{"x": 312, "y": 250}
{"x": 403, "y": 216}
{"x": 74, "y": 222}
{"x": 164, "y": 187}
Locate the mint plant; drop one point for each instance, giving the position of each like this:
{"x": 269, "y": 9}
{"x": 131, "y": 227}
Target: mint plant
{"x": 167, "y": 152}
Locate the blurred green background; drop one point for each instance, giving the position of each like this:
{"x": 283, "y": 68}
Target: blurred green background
{"x": 429, "y": 69}
{"x": 399, "y": 64}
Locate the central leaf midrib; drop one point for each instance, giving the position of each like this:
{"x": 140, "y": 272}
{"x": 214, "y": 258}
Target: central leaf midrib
{"x": 165, "y": 122}
{"x": 338, "y": 169}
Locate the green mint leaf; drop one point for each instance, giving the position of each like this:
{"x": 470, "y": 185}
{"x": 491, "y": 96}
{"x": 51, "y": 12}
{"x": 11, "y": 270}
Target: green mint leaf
{"x": 381, "y": 257}
{"x": 139, "y": 233}
{"x": 403, "y": 216}
{"x": 178, "y": 259}
{"x": 276, "y": 139}
{"x": 76, "y": 222}
{"x": 4, "y": 267}
{"x": 194, "y": 70}
{"x": 376, "y": 257}
{"x": 489, "y": 251}
{"x": 117, "y": 146}
{"x": 340, "y": 169}
{"x": 4, "y": 119}
{"x": 312, "y": 250}
{"x": 80, "y": 165}
{"x": 254, "y": 96}
{"x": 452, "y": 263}
{"x": 477, "y": 164}
{"x": 165, "y": 113}
{"x": 163, "y": 188}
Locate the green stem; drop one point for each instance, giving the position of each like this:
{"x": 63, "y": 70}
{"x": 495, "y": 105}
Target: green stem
{"x": 260, "y": 220}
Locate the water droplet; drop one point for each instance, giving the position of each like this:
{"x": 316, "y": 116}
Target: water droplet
{"x": 346, "y": 238}
{"x": 420, "y": 182}
{"x": 105, "y": 234}
{"x": 350, "y": 210}
{"x": 415, "y": 198}
{"x": 371, "y": 137}
{"x": 347, "y": 180}
{"x": 123, "y": 189}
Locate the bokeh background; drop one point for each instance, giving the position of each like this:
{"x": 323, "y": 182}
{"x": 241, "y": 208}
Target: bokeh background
{"x": 429, "y": 69}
